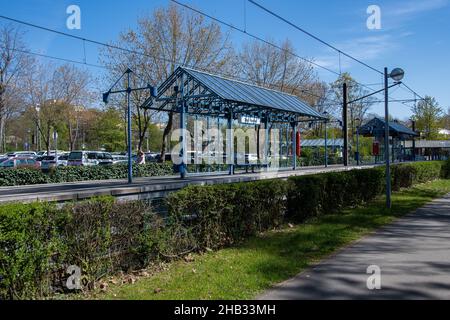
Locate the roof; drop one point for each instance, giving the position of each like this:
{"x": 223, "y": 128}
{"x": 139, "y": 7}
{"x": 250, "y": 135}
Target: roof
{"x": 444, "y": 144}
{"x": 377, "y": 125}
{"x": 238, "y": 92}
{"x": 321, "y": 143}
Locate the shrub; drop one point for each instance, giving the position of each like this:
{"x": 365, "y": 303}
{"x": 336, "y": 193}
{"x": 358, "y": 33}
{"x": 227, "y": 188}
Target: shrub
{"x": 73, "y": 174}
{"x": 18, "y": 177}
{"x": 30, "y": 248}
{"x": 39, "y": 241}
{"x": 409, "y": 174}
{"x": 315, "y": 195}
{"x": 220, "y": 215}
{"x": 104, "y": 236}
{"x": 445, "y": 173}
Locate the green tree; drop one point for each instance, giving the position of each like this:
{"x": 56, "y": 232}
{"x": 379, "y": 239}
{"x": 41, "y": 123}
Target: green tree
{"x": 427, "y": 115}
{"x": 109, "y": 130}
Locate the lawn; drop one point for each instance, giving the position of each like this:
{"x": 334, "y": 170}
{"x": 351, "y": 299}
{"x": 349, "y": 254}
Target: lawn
{"x": 245, "y": 271}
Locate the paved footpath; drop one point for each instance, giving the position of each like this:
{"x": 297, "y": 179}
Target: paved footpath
{"x": 413, "y": 254}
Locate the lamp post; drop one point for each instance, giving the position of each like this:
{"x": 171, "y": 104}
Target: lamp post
{"x": 396, "y": 75}
{"x": 128, "y": 90}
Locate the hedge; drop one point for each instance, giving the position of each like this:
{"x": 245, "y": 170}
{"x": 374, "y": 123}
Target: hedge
{"x": 73, "y": 174}
{"x": 39, "y": 241}
{"x": 221, "y": 215}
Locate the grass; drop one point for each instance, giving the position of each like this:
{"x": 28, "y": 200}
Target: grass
{"x": 245, "y": 271}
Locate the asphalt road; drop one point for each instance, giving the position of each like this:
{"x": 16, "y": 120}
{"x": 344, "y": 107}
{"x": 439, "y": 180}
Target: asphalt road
{"x": 413, "y": 254}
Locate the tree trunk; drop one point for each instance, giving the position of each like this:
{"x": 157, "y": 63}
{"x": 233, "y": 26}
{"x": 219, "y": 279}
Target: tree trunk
{"x": 47, "y": 140}
{"x": 166, "y": 133}
{"x": 2, "y": 135}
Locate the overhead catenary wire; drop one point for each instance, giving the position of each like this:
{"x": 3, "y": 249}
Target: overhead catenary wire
{"x": 131, "y": 51}
{"x": 305, "y": 91}
{"x": 42, "y": 55}
{"x": 337, "y": 73}
{"x": 314, "y": 37}
{"x": 212, "y": 18}
{"x": 340, "y": 52}
{"x": 229, "y": 25}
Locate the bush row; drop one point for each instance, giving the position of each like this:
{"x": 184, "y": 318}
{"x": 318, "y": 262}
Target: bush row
{"x": 38, "y": 242}
{"x": 72, "y": 174}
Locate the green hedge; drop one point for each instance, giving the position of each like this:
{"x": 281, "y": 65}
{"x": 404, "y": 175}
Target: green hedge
{"x": 445, "y": 172}
{"x": 407, "y": 175}
{"x": 221, "y": 215}
{"x": 39, "y": 241}
{"x": 29, "y": 245}
{"x": 72, "y": 174}
{"x": 311, "y": 196}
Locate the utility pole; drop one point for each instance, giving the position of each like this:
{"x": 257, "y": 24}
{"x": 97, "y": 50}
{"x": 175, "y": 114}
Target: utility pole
{"x": 130, "y": 160}
{"x": 414, "y": 141}
{"x": 386, "y": 139}
{"x": 345, "y": 127}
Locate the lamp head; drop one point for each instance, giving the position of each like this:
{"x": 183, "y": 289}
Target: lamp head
{"x": 153, "y": 91}
{"x": 397, "y": 74}
{"x": 106, "y": 97}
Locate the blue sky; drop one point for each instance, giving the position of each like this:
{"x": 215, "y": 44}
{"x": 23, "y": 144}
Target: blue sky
{"x": 414, "y": 34}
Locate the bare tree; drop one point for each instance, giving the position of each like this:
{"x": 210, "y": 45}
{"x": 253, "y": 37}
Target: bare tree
{"x": 268, "y": 66}
{"x": 14, "y": 64}
{"x": 54, "y": 95}
{"x": 169, "y": 37}
{"x": 70, "y": 87}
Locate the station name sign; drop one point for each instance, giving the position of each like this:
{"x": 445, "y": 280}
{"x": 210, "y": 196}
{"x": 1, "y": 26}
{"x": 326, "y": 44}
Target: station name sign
{"x": 250, "y": 120}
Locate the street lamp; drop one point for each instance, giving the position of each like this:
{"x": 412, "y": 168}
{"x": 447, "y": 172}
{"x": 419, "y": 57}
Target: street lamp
{"x": 128, "y": 90}
{"x": 397, "y": 75}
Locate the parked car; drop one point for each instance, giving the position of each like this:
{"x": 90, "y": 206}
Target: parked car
{"x": 20, "y": 162}
{"x": 103, "y": 158}
{"x": 168, "y": 157}
{"x": 52, "y": 152}
{"x": 49, "y": 162}
{"x": 119, "y": 159}
{"x": 89, "y": 158}
{"x": 21, "y": 154}
{"x": 79, "y": 158}
{"x": 151, "y": 157}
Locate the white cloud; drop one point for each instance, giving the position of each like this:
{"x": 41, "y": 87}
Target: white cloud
{"x": 416, "y": 7}
{"x": 368, "y": 47}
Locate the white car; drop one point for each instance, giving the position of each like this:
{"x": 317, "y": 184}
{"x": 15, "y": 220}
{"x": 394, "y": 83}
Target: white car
{"x": 21, "y": 154}
{"x": 49, "y": 162}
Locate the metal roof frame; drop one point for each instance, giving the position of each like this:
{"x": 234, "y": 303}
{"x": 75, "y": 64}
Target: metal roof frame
{"x": 211, "y": 95}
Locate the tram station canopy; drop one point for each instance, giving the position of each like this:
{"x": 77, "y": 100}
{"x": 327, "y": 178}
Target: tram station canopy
{"x": 376, "y": 128}
{"x": 215, "y": 95}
